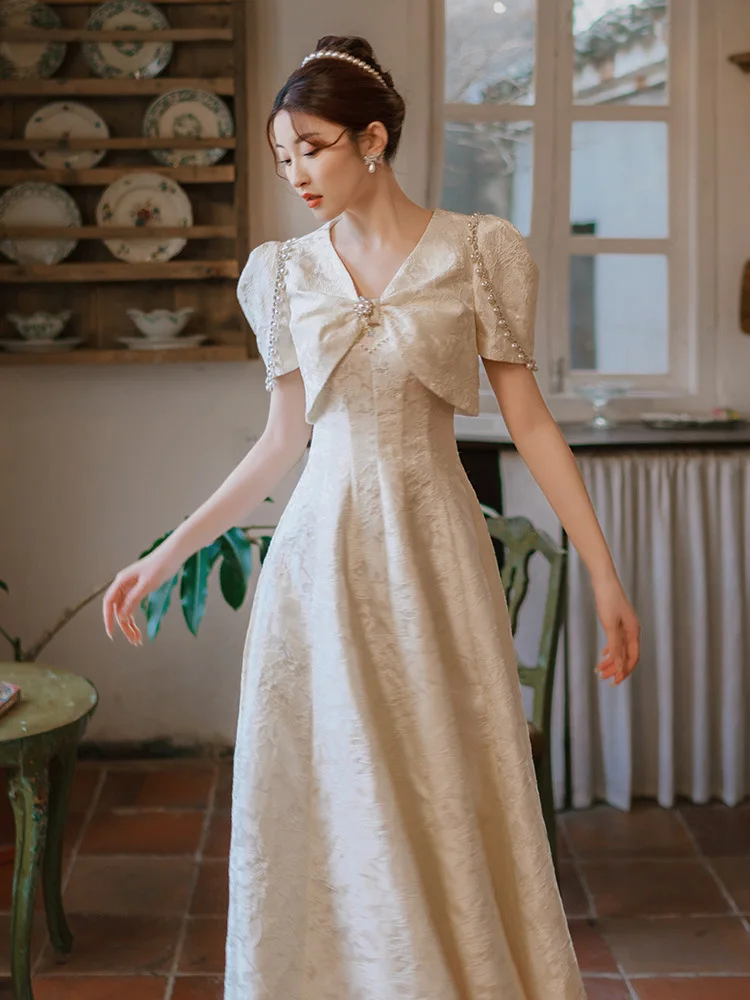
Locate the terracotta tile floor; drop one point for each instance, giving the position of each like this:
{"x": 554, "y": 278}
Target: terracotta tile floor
{"x": 658, "y": 900}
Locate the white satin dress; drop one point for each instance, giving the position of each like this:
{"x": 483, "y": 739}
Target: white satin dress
{"x": 387, "y": 836}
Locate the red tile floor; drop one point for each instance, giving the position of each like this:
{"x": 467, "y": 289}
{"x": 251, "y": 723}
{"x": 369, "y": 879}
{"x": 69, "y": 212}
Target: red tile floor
{"x": 658, "y": 900}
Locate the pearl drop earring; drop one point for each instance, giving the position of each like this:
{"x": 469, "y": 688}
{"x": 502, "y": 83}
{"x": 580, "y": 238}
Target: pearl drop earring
{"x": 372, "y": 159}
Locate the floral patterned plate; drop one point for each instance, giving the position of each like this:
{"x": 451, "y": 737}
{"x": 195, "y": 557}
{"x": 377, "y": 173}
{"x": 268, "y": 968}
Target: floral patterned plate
{"x": 144, "y": 199}
{"x": 129, "y": 59}
{"x": 26, "y": 60}
{"x": 190, "y": 114}
{"x": 66, "y": 120}
{"x": 34, "y": 204}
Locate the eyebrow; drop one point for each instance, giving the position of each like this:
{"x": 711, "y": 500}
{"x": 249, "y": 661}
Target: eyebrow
{"x": 305, "y": 137}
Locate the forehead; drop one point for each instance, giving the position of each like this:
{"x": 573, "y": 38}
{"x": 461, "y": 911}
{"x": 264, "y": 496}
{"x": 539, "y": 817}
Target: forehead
{"x": 287, "y": 127}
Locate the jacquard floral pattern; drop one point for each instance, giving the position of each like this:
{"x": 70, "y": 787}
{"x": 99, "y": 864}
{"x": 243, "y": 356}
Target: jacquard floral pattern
{"x": 387, "y": 836}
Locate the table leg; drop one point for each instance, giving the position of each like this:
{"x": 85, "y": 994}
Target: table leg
{"x": 29, "y": 793}
{"x": 62, "y": 770}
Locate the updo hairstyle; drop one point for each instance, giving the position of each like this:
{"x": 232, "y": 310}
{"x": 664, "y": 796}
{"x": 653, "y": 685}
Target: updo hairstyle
{"x": 343, "y": 93}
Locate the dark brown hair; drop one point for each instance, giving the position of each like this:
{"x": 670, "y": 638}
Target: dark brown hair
{"x": 342, "y": 93}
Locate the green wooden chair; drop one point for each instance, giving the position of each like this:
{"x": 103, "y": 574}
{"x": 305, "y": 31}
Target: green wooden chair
{"x": 38, "y": 744}
{"x": 518, "y": 541}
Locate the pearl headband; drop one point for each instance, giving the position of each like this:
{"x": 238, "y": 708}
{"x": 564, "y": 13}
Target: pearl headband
{"x": 345, "y": 57}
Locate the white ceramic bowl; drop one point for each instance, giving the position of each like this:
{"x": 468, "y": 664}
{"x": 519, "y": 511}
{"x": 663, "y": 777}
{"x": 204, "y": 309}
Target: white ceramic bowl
{"x": 161, "y": 324}
{"x": 39, "y": 325}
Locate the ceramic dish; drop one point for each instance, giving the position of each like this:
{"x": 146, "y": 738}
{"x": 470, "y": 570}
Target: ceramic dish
{"x": 144, "y": 199}
{"x": 35, "y": 204}
{"x": 136, "y": 59}
{"x": 66, "y": 120}
{"x": 39, "y": 325}
{"x": 188, "y": 114}
{"x": 41, "y": 346}
{"x": 688, "y": 421}
{"x": 161, "y": 324}
{"x": 27, "y": 60}
{"x": 172, "y": 344}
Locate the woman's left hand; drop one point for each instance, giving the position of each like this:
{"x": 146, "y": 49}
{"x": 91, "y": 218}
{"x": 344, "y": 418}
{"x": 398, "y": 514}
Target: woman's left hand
{"x": 622, "y": 629}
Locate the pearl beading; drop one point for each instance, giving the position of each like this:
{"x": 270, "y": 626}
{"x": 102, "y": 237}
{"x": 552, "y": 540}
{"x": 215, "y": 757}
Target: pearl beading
{"x": 484, "y": 281}
{"x": 273, "y": 364}
{"x": 344, "y": 57}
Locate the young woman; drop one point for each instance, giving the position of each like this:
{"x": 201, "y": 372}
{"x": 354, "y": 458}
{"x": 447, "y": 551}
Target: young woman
{"x": 388, "y": 841}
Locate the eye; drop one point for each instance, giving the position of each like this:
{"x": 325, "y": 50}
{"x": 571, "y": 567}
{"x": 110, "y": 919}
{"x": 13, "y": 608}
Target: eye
{"x": 314, "y": 152}
{"x": 285, "y": 162}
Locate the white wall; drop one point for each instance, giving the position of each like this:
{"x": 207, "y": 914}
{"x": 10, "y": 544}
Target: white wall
{"x": 96, "y": 462}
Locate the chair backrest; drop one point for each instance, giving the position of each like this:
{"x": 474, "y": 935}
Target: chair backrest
{"x": 520, "y": 540}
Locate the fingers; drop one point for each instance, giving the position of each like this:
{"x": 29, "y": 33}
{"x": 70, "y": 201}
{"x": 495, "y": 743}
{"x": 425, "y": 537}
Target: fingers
{"x": 118, "y": 602}
{"x": 620, "y": 655}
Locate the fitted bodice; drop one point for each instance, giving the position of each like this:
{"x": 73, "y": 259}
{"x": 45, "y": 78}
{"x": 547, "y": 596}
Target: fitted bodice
{"x": 453, "y": 298}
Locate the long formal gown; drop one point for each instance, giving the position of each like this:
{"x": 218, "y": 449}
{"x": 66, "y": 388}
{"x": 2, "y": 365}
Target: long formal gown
{"x": 387, "y": 836}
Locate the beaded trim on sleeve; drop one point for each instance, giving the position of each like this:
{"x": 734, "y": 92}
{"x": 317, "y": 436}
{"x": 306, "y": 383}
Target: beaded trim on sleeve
{"x": 484, "y": 281}
{"x": 273, "y": 365}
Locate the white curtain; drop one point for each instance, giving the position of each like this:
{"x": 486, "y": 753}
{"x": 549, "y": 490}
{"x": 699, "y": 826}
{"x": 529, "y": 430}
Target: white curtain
{"x": 678, "y": 525}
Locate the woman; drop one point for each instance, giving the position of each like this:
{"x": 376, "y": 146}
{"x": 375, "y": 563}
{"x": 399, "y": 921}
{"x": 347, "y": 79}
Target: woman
{"x": 387, "y": 840}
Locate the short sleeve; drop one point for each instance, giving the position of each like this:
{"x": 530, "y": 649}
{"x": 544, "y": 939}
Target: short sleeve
{"x": 506, "y": 280}
{"x": 255, "y": 292}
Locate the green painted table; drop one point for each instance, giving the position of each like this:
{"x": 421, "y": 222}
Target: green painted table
{"x": 38, "y": 744}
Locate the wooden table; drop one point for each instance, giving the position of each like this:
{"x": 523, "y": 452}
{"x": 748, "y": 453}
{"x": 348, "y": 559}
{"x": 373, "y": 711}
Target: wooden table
{"x": 38, "y": 744}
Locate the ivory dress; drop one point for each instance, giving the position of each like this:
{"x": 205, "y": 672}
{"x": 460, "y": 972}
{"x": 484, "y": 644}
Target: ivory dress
{"x": 387, "y": 836}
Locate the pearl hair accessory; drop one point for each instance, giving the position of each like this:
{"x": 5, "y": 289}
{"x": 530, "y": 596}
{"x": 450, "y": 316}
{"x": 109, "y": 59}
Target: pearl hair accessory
{"x": 345, "y": 57}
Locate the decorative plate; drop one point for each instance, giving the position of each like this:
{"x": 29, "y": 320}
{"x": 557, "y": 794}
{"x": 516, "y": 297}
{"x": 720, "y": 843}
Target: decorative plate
{"x": 130, "y": 59}
{"x": 36, "y": 204}
{"x": 24, "y": 60}
{"x": 144, "y": 200}
{"x": 172, "y": 344}
{"x": 66, "y": 120}
{"x": 189, "y": 114}
{"x": 41, "y": 346}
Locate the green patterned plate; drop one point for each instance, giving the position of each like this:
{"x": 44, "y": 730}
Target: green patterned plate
{"x": 140, "y": 60}
{"x": 189, "y": 114}
{"x": 32, "y": 204}
{"x": 27, "y": 60}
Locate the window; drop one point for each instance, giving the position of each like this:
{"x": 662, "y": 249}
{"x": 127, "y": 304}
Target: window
{"x": 572, "y": 118}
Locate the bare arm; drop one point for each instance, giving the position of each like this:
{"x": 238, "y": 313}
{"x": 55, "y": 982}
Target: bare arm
{"x": 543, "y": 448}
{"x": 277, "y": 451}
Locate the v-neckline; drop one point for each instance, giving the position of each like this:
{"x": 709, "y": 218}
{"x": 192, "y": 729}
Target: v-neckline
{"x": 402, "y": 267}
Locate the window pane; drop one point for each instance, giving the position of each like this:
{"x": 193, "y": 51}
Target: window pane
{"x": 619, "y": 314}
{"x": 621, "y": 51}
{"x": 489, "y": 51}
{"x": 489, "y": 168}
{"x": 619, "y": 178}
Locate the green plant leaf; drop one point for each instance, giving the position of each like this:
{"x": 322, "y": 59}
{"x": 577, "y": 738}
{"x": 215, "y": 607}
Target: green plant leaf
{"x": 156, "y": 544}
{"x": 265, "y": 544}
{"x": 236, "y": 566}
{"x": 156, "y": 604}
{"x": 194, "y": 584}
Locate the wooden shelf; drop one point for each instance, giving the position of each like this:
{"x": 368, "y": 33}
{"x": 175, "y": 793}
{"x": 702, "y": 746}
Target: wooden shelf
{"x": 172, "y": 270}
{"x": 121, "y": 87}
{"x": 117, "y": 232}
{"x": 42, "y": 35}
{"x": 122, "y": 142}
{"x": 123, "y": 356}
{"x": 742, "y": 59}
{"x": 102, "y": 176}
{"x": 88, "y": 3}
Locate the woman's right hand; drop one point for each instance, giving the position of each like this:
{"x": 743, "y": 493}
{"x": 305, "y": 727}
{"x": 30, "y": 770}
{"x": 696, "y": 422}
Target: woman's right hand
{"x": 130, "y": 586}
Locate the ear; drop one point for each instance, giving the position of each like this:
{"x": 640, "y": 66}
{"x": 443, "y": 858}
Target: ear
{"x": 374, "y": 139}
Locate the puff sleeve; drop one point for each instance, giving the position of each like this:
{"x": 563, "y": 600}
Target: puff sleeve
{"x": 262, "y": 295}
{"x": 505, "y": 291}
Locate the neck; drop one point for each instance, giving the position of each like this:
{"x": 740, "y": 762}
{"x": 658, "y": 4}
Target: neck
{"x": 381, "y": 214}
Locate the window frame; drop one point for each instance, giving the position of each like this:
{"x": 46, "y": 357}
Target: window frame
{"x": 689, "y": 245}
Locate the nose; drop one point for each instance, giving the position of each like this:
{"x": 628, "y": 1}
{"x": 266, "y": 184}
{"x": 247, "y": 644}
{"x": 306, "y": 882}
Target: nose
{"x": 298, "y": 175}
